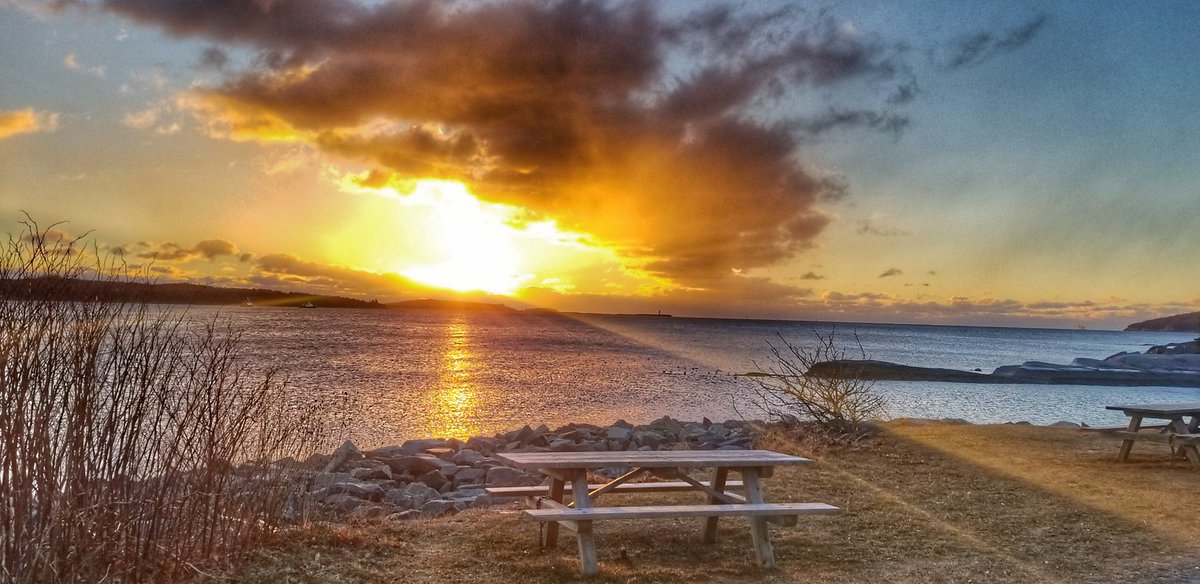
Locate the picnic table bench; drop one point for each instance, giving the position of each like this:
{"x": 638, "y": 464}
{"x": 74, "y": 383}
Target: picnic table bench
{"x": 1181, "y": 429}
{"x": 568, "y": 475}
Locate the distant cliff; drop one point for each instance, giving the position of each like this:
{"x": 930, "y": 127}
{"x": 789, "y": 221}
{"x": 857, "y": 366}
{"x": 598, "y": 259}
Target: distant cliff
{"x": 75, "y": 290}
{"x": 1180, "y": 323}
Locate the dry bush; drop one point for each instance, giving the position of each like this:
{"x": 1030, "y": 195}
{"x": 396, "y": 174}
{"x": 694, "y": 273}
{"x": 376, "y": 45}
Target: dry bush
{"x": 826, "y": 409}
{"x": 125, "y": 429}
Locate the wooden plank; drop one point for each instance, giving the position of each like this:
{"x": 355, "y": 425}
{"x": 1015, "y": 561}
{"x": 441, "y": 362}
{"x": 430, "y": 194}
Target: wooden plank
{"x": 1107, "y": 429}
{"x": 550, "y": 536}
{"x": 588, "y": 562}
{"x": 543, "y": 503}
{"x": 720, "y": 482}
{"x": 758, "y": 525}
{"x": 683, "y": 511}
{"x": 1160, "y": 410}
{"x": 1135, "y": 422}
{"x": 1185, "y": 438}
{"x": 613, "y": 484}
{"x": 649, "y": 459}
{"x": 713, "y": 494}
{"x": 650, "y": 487}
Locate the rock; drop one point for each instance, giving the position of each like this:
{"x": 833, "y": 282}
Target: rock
{"x": 470, "y": 476}
{"x": 434, "y": 479}
{"x": 420, "y": 446}
{"x": 562, "y": 445}
{"x": 325, "y": 479}
{"x": 415, "y": 465}
{"x": 346, "y": 452}
{"x": 439, "y": 507}
{"x": 385, "y": 452}
{"x": 411, "y": 496}
{"x": 617, "y": 433}
{"x": 360, "y": 490}
{"x": 440, "y": 452}
{"x": 374, "y": 472}
{"x": 467, "y": 457}
{"x": 622, "y": 424}
{"x": 1064, "y": 424}
{"x": 647, "y": 438}
{"x": 483, "y": 445}
{"x": 503, "y": 476}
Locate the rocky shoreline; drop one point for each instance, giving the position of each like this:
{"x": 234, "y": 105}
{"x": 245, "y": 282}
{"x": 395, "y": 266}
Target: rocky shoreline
{"x": 435, "y": 477}
{"x": 429, "y": 478}
{"x": 1174, "y": 365}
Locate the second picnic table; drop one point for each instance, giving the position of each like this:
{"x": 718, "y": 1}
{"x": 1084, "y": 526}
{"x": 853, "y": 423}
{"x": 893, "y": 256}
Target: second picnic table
{"x": 568, "y": 474}
{"x": 1180, "y": 430}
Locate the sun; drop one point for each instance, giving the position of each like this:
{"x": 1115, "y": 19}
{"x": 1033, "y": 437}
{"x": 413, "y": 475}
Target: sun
{"x": 472, "y": 245}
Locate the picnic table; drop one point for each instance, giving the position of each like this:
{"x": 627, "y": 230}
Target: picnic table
{"x": 568, "y": 475}
{"x": 1181, "y": 428}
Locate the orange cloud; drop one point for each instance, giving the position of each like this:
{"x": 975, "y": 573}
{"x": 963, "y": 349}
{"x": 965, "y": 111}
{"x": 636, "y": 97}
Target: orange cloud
{"x": 26, "y": 121}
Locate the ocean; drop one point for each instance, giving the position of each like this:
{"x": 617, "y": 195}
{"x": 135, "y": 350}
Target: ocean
{"x": 389, "y": 375}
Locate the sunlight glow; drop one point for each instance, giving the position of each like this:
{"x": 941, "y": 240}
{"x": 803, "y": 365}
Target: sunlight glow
{"x": 455, "y": 404}
{"x": 474, "y": 245}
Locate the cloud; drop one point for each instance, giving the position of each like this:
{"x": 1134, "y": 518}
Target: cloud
{"x": 71, "y": 61}
{"x": 26, "y": 121}
{"x": 811, "y": 276}
{"x": 975, "y": 49}
{"x": 570, "y": 109}
{"x": 867, "y": 227}
{"x": 173, "y": 252}
{"x": 891, "y": 272}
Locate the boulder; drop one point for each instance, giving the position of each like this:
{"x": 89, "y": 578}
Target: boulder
{"x": 355, "y": 489}
{"x": 373, "y": 472}
{"x": 415, "y": 465}
{"x": 434, "y": 479}
{"x": 470, "y": 476}
{"x": 439, "y": 507}
{"x": 503, "y": 476}
{"x": 467, "y": 457}
{"x": 345, "y": 453}
{"x": 420, "y": 446}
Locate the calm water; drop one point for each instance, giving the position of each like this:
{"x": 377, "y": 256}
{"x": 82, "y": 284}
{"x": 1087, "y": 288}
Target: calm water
{"x": 401, "y": 374}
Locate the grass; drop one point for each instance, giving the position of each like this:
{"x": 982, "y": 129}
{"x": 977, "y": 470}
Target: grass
{"x": 922, "y": 503}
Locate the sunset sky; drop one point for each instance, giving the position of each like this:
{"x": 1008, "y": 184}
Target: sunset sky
{"x": 1008, "y": 163}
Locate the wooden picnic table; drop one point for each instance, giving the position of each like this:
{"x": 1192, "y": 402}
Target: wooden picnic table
{"x": 568, "y": 475}
{"x": 1180, "y": 430}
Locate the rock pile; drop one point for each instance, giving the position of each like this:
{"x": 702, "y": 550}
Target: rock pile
{"x": 434, "y": 477}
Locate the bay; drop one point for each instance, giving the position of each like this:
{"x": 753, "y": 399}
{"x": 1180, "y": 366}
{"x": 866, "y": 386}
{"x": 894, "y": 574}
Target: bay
{"x": 389, "y": 375}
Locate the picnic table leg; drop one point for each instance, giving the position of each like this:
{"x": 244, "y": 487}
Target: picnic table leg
{"x": 710, "y": 525}
{"x": 1135, "y": 424}
{"x": 1188, "y": 451}
{"x": 587, "y": 543}
{"x": 550, "y": 536}
{"x": 758, "y": 525}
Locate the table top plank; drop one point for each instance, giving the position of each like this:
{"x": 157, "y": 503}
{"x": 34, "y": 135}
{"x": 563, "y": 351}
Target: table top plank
{"x": 1162, "y": 410}
{"x": 649, "y": 459}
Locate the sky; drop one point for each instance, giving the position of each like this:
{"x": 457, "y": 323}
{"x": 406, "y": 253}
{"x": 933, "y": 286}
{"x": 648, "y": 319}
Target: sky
{"x": 1007, "y": 163}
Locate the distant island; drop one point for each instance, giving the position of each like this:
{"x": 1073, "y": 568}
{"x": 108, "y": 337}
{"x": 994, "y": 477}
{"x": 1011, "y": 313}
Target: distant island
{"x": 80, "y": 290}
{"x": 1180, "y": 323}
{"x": 432, "y": 304}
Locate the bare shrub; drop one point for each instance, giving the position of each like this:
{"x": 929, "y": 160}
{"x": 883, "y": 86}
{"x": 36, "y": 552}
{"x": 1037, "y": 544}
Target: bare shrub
{"x": 134, "y": 443}
{"x": 838, "y": 407}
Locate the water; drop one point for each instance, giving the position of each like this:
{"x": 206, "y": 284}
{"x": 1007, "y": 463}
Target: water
{"x": 397, "y": 374}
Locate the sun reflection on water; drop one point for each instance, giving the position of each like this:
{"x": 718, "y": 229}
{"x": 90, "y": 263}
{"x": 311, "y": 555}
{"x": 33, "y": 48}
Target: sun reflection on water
{"x": 453, "y": 409}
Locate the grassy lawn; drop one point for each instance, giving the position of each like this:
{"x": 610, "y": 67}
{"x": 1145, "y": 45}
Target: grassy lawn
{"x": 922, "y": 503}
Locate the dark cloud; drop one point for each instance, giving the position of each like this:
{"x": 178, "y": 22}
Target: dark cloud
{"x": 565, "y": 108}
{"x": 891, "y": 272}
{"x": 811, "y": 276}
{"x": 173, "y": 252}
{"x": 978, "y": 48}
{"x": 213, "y": 58}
